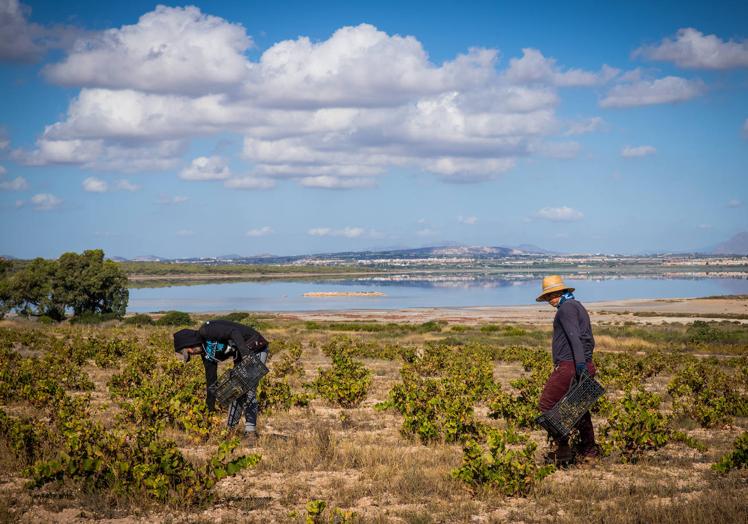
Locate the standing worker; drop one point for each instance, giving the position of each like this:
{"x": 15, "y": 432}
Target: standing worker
{"x": 572, "y": 348}
{"x": 216, "y": 341}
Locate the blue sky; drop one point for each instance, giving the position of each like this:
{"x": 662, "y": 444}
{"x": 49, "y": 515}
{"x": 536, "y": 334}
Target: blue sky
{"x": 215, "y": 128}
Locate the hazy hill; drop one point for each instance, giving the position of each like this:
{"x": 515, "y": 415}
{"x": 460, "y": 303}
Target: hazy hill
{"x": 737, "y": 245}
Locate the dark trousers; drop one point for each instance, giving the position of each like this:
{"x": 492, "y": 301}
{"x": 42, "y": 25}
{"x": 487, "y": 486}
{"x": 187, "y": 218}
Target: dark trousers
{"x": 557, "y": 386}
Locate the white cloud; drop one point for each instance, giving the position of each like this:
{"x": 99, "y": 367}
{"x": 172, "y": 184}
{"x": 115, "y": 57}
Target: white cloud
{"x": 103, "y": 155}
{"x": 95, "y": 185}
{"x": 171, "y": 201}
{"x": 206, "y": 168}
{"x": 335, "y": 114}
{"x": 333, "y": 182}
{"x": 559, "y": 214}
{"x": 24, "y": 41}
{"x": 705, "y": 226}
{"x": 185, "y": 233}
{"x": 733, "y": 203}
{"x": 260, "y": 231}
{"x": 348, "y": 232}
{"x": 692, "y": 49}
{"x": 534, "y": 67}
{"x": 3, "y": 170}
{"x": 631, "y": 151}
{"x": 250, "y": 182}
{"x": 360, "y": 66}
{"x": 587, "y": 125}
{"x": 648, "y": 92}
{"x": 425, "y": 232}
{"x": 45, "y": 201}
{"x": 178, "y": 50}
{"x": 17, "y": 184}
{"x": 126, "y": 185}
{"x": 467, "y": 220}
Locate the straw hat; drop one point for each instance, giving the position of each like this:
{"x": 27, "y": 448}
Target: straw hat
{"x": 552, "y": 283}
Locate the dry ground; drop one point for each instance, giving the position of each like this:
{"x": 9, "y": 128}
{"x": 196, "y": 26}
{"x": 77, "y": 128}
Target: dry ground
{"x": 357, "y": 461}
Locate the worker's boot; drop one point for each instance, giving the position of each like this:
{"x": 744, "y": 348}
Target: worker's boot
{"x": 586, "y": 450}
{"x": 562, "y": 455}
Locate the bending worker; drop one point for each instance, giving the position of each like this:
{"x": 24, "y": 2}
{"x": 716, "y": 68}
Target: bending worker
{"x": 572, "y": 348}
{"x": 216, "y": 341}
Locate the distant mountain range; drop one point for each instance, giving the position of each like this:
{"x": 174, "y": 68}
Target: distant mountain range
{"x": 737, "y": 245}
{"x": 476, "y": 252}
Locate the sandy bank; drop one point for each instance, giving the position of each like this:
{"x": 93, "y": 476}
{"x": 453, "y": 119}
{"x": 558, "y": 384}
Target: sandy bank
{"x": 653, "y": 311}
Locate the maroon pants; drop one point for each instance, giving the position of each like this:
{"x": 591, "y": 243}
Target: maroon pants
{"x": 557, "y": 386}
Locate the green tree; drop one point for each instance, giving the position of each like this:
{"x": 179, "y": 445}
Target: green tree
{"x": 30, "y": 290}
{"x": 87, "y": 283}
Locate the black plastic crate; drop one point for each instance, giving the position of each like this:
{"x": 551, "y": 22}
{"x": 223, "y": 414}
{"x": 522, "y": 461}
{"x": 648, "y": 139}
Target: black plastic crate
{"x": 242, "y": 378}
{"x": 561, "y": 418}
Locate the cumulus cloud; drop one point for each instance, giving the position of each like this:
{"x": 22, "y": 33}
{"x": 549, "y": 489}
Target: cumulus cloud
{"x": 250, "y": 182}
{"x": 206, "y": 168}
{"x": 534, "y": 67}
{"x": 171, "y": 49}
{"x": 104, "y": 155}
{"x": 360, "y": 67}
{"x": 185, "y": 233}
{"x": 333, "y": 114}
{"x": 471, "y": 220}
{"x": 25, "y": 41}
{"x": 734, "y": 203}
{"x": 649, "y": 92}
{"x": 634, "y": 151}
{"x": 17, "y": 184}
{"x": 260, "y": 231}
{"x": 95, "y": 185}
{"x": 692, "y": 49}
{"x": 45, "y": 201}
{"x": 559, "y": 214}
{"x": 348, "y": 232}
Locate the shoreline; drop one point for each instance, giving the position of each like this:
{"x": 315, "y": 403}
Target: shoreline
{"x": 639, "y": 311}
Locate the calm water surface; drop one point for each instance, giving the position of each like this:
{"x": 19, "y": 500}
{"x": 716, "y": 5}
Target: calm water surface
{"x": 289, "y": 296}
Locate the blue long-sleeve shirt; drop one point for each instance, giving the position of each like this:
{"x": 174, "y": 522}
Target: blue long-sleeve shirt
{"x": 572, "y": 333}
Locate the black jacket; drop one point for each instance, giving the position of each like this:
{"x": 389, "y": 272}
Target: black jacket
{"x": 572, "y": 333}
{"x": 225, "y": 332}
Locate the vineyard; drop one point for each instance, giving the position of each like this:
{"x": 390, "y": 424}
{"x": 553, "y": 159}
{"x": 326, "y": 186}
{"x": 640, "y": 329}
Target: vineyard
{"x": 369, "y": 422}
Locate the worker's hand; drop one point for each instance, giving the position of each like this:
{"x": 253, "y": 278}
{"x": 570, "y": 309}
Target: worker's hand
{"x": 580, "y": 369}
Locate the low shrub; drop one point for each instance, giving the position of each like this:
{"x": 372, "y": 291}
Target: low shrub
{"x": 706, "y": 394}
{"x": 141, "y": 319}
{"x": 438, "y": 390}
{"x": 235, "y": 316}
{"x": 511, "y": 470}
{"x": 735, "y": 459}
{"x": 635, "y": 425}
{"x": 174, "y": 318}
{"x": 346, "y": 382}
